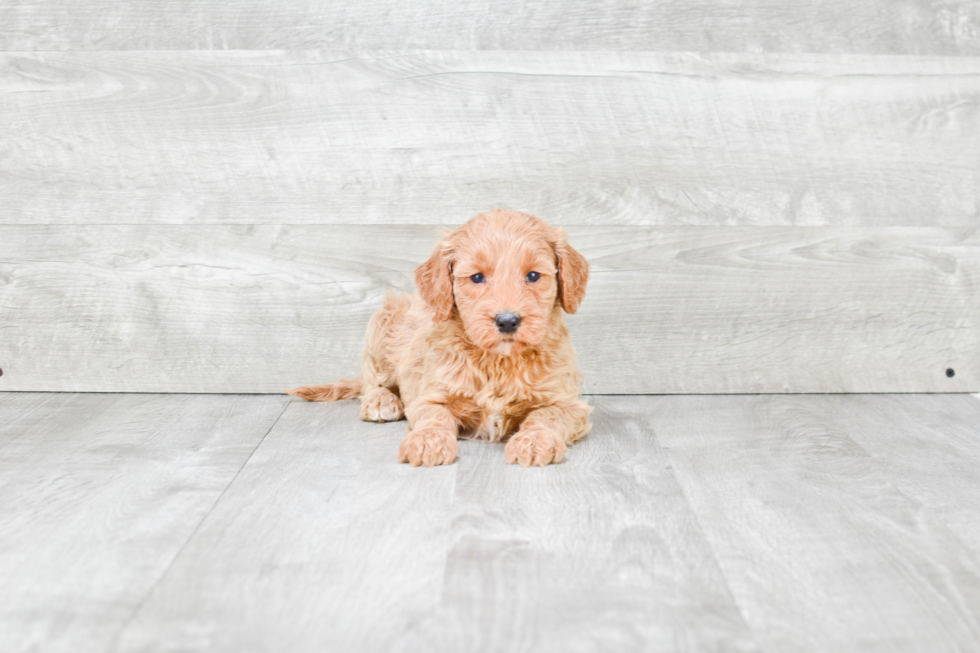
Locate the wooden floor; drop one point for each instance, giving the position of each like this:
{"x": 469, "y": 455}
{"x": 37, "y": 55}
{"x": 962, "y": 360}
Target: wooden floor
{"x": 136, "y": 522}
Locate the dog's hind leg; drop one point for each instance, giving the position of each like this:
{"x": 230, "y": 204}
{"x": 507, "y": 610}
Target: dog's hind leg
{"x": 381, "y": 405}
{"x": 379, "y": 395}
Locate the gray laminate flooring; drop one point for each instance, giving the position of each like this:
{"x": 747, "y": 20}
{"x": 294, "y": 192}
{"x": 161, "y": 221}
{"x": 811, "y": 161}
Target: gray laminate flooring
{"x": 136, "y": 522}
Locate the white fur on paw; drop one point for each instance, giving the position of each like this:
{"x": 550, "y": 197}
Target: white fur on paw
{"x": 381, "y": 405}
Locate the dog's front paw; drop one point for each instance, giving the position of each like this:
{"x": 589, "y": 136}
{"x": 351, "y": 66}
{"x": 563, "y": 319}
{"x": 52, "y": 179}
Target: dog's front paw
{"x": 535, "y": 445}
{"x": 381, "y": 405}
{"x": 428, "y": 446}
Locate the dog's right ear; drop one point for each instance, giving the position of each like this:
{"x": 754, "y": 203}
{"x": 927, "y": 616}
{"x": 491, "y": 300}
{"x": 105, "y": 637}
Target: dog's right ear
{"x": 434, "y": 279}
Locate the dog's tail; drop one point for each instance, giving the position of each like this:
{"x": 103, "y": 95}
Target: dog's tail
{"x": 342, "y": 389}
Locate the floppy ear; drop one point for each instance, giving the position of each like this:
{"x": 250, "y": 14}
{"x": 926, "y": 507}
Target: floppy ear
{"x": 434, "y": 279}
{"x": 573, "y": 274}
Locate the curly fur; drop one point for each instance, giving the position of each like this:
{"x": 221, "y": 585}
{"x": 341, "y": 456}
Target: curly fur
{"x": 438, "y": 359}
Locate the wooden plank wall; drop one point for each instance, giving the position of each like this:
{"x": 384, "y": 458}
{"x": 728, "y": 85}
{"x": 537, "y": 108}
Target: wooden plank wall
{"x": 776, "y": 196}
{"x": 917, "y": 27}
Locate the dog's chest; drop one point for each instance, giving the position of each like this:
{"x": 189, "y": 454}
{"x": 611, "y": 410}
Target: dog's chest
{"x": 504, "y": 398}
{"x": 500, "y": 416}
{"x": 492, "y": 428}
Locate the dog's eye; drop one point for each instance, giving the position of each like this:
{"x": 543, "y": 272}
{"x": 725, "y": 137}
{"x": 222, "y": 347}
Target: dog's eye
{"x": 477, "y": 278}
{"x": 533, "y": 276}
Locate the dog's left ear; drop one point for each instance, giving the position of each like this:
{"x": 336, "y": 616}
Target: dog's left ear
{"x": 434, "y": 279}
{"x": 573, "y": 274}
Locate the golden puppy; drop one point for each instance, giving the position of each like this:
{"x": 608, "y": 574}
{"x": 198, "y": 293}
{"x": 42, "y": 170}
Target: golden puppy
{"x": 483, "y": 351}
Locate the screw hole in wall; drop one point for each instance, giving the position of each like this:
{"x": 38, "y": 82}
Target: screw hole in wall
{"x": 950, "y": 372}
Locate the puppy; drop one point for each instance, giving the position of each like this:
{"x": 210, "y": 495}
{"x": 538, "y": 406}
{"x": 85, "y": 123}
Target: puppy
{"x": 482, "y": 351}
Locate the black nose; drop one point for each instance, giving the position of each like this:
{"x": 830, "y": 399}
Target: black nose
{"x": 507, "y": 322}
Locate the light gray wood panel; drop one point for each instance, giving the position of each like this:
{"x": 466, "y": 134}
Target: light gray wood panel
{"x": 324, "y": 542}
{"x": 99, "y": 493}
{"x": 599, "y": 553}
{"x": 668, "y": 310}
{"x": 871, "y": 26}
{"x": 821, "y": 551}
{"x": 679, "y": 523}
{"x": 929, "y": 446}
{"x": 435, "y": 137}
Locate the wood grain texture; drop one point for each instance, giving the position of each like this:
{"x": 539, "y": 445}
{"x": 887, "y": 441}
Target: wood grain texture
{"x": 599, "y": 553}
{"x": 820, "y": 549}
{"x": 679, "y": 523}
{"x": 862, "y": 26}
{"x": 928, "y": 445}
{"x": 99, "y": 493}
{"x": 434, "y": 137}
{"x": 668, "y": 310}
{"x": 324, "y": 542}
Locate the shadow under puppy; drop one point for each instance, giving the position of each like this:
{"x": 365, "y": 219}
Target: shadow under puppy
{"x": 483, "y": 351}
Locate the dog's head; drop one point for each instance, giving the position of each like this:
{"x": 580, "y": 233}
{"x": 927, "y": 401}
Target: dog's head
{"x": 504, "y": 273}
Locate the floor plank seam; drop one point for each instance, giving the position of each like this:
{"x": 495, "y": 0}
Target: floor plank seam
{"x": 951, "y": 533}
{"x": 704, "y": 537}
{"x": 114, "y": 646}
{"x": 888, "y": 473}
